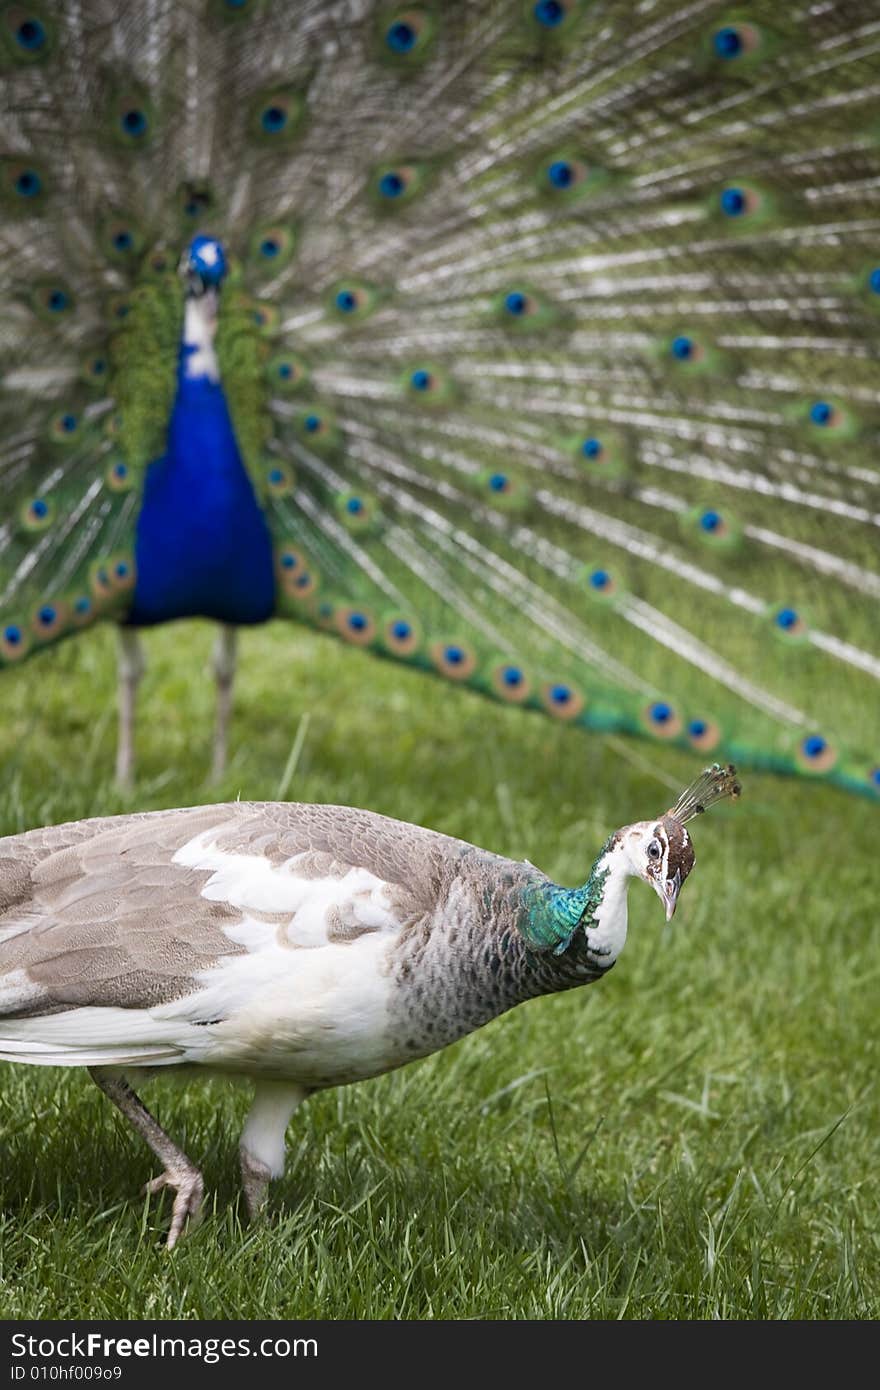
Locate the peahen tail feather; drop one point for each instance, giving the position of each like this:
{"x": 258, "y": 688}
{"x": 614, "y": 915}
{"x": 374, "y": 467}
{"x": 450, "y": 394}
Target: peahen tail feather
{"x": 550, "y": 341}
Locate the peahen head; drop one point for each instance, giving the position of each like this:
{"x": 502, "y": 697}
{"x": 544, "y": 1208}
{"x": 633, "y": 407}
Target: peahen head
{"x": 203, "y": 265}
{"x": 660, "y": 851}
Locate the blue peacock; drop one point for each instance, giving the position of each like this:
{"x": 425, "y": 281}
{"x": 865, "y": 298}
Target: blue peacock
{"x": 531, "y": 343}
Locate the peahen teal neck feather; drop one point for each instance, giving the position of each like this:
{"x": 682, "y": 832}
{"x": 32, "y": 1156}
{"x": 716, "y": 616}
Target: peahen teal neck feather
{"x": 546, "y": 347}
{"x": 554, "y": 914}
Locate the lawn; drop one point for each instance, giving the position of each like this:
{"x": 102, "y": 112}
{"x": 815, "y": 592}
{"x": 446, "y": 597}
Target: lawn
{"x": 695, "y": 1137}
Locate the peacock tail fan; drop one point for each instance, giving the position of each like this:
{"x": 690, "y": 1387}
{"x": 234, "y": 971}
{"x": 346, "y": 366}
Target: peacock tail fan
{"x": 549, "y": 339}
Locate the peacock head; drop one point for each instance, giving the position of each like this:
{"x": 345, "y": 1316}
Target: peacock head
{"x": 203, "y": 265}
{"x": 660, "y": 851}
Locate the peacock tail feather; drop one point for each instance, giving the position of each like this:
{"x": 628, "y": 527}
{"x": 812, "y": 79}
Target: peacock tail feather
{"x": 549, "y": 339}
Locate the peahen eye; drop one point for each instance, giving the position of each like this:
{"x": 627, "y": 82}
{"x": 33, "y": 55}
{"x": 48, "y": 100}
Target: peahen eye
{"x": 654, "y": 850}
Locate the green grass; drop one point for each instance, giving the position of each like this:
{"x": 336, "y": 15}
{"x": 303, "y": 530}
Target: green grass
{"x": 695, "y": 1137}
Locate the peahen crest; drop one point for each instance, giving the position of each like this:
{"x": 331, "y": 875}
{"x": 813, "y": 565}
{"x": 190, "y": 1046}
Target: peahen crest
{"x": 714, "y": 784}
{"x": 547, "y": 333}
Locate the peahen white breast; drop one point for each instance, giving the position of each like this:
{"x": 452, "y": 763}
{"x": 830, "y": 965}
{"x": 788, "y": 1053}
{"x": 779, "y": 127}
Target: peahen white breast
{"x": 529, "y": 344}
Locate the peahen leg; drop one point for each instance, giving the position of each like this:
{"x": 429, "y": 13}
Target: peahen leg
{"x": 262, "y": 1142}
{"x": 179, "y": 1172}
{"x": 224, "y": 674}
{"x": 131, "y": 665}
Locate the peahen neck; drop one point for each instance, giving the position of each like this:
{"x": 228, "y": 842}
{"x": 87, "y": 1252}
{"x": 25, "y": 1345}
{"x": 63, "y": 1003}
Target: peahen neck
{"x": 203, "y": 547}
{"x": 583, "y": 926}
{"x": 504, "y": 933}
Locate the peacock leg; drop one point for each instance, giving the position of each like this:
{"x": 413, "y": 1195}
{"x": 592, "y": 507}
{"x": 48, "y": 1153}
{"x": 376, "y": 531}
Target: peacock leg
{"x": 262, "y": 1142}
{"x": 179, "y": 1173}
{"x": 131, "y": 665}
{"x": 224, "y": 674}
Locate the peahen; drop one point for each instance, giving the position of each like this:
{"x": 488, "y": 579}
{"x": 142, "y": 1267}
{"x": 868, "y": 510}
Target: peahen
{"x": 301, "y": 946}
{"x": 528, "y": 342}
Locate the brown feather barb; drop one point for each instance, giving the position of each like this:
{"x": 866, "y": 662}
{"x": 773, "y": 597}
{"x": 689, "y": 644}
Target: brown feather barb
{"x": 713, "y": 784}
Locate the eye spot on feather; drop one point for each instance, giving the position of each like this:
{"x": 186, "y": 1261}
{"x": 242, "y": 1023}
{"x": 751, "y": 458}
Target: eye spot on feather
{"x": 874, "y": 280}
{"x": 824, "y": 414}
{"x": 516, "y": 303}
{"x": 789, "y": 622}
{"x": 560, "y": 174}
{"x": 682, "y": 348}
{"x": 57, "y": 301}
{"x": 391, "y": 185}
{"x": 661, "y": 719}
{"x": 454, "y": 659}
{"x": 31, "y": 35}
{"x": 562, "y": 700}
{"x": 421, "y": 380}
{"x": 134, "y": 122}
{"x": 601, "y": 581}
{"x": 407, "y": 34}
{"x": 401, "y": 635}
{"x": 49, "y": 620}
{"x": 510, "y": 682}
{"x": 592, "y": 448}
{"x": 551, "y": 14}
{"x": 64, "y": 427}
{"x": 703, "y": 734}
{"x": 13, "y": 642}
{"x": 355, "y": 625}
{"x": 874, "y": 778}
{"x": 816, "y": 753}
{"x": 121, "y": 573}
{"x": 37, "y": 514}
{"x": 733, "y": 41}
{"x": 119, "y": 477}
{"x": 273, "y": 119}
{"x": 401, "y": 37}
{"x": 28, "y": 184}
{"x": 733, "y": 202}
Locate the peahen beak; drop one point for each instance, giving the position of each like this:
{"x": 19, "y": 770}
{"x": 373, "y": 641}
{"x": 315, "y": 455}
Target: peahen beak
{"x": 668, "y": 893}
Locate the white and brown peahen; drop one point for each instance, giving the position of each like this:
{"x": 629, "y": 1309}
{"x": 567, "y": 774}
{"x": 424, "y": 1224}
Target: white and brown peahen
{"x": 529, "y": 342}
{"x": 300, "y": 946}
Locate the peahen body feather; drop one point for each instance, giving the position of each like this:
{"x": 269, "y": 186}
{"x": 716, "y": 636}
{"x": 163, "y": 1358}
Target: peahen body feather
{"x": 546, "y": 359}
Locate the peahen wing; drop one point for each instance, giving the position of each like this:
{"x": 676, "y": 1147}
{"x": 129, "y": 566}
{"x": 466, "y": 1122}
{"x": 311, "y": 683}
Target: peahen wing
{"x": 550, "y": 347}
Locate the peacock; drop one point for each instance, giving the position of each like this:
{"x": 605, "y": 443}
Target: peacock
{"x": 301, "y": 946}
{"x": 529, "y": 343}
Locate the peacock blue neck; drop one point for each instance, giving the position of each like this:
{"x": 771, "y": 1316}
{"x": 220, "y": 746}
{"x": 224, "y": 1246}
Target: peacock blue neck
{"x": 202, "y": 547}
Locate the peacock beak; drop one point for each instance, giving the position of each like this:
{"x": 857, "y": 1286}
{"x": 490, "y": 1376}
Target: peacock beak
{"x": 193, "y": 282}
